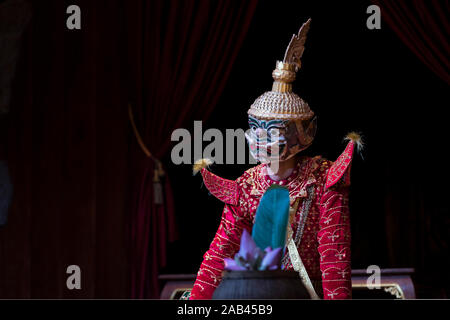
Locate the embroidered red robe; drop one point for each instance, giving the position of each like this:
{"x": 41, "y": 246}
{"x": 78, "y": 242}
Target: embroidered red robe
{"x": 321, "y": 226}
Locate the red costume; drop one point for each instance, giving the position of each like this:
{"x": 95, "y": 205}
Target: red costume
{"x": 321, "y": 226}
{"x": 319, "y": 245}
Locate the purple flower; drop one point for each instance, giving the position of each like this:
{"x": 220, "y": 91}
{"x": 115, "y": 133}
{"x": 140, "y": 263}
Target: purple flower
{"x": 232, "y": 265}
{"x": 251, "y": 257}
{"x": 271, "y": 260}
{"x": 248, "y": 247}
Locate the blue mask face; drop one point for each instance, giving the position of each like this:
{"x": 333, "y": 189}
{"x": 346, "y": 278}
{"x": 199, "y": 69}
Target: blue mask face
{"x": 278, "y": 140}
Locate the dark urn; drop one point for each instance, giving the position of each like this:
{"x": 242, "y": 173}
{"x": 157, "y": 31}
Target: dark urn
{"x": 276, "y": 284}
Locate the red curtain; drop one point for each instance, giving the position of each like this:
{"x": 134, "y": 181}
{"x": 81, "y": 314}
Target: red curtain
{"x": 67, "y": 154}
{"x": 180, "y": 54}
{"x": 424, "y": 27}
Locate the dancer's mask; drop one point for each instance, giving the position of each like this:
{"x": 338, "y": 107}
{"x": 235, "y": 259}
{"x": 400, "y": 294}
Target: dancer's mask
{"x": 281, "y": 123}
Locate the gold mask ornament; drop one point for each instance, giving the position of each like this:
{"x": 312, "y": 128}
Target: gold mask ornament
{"x": 281, "y": 123}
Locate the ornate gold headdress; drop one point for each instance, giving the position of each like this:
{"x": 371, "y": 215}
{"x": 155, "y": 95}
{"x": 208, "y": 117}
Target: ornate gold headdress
{"x": 281, "y": 102}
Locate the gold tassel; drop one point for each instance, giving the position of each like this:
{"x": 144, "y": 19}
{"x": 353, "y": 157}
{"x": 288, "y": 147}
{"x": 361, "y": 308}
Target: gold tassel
{"x": 354, "y": 136}
{"x": 200, "y": 164}
{"x": 357, "y": 139}
{"x": 158, "y": 172}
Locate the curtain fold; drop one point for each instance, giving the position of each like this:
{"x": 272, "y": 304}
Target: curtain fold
{"x": 423, "y": 26}
{"x": 180, "y": 54}
{"x": 66, "y": 148}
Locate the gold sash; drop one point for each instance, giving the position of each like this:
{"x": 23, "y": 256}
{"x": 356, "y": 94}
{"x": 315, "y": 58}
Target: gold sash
{"x": 296, "y": 261}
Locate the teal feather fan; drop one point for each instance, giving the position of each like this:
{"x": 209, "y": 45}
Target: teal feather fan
{"x": 271, "y": 219}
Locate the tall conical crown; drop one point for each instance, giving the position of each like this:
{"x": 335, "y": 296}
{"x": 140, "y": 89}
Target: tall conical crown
{"x": 281, "y": 102}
